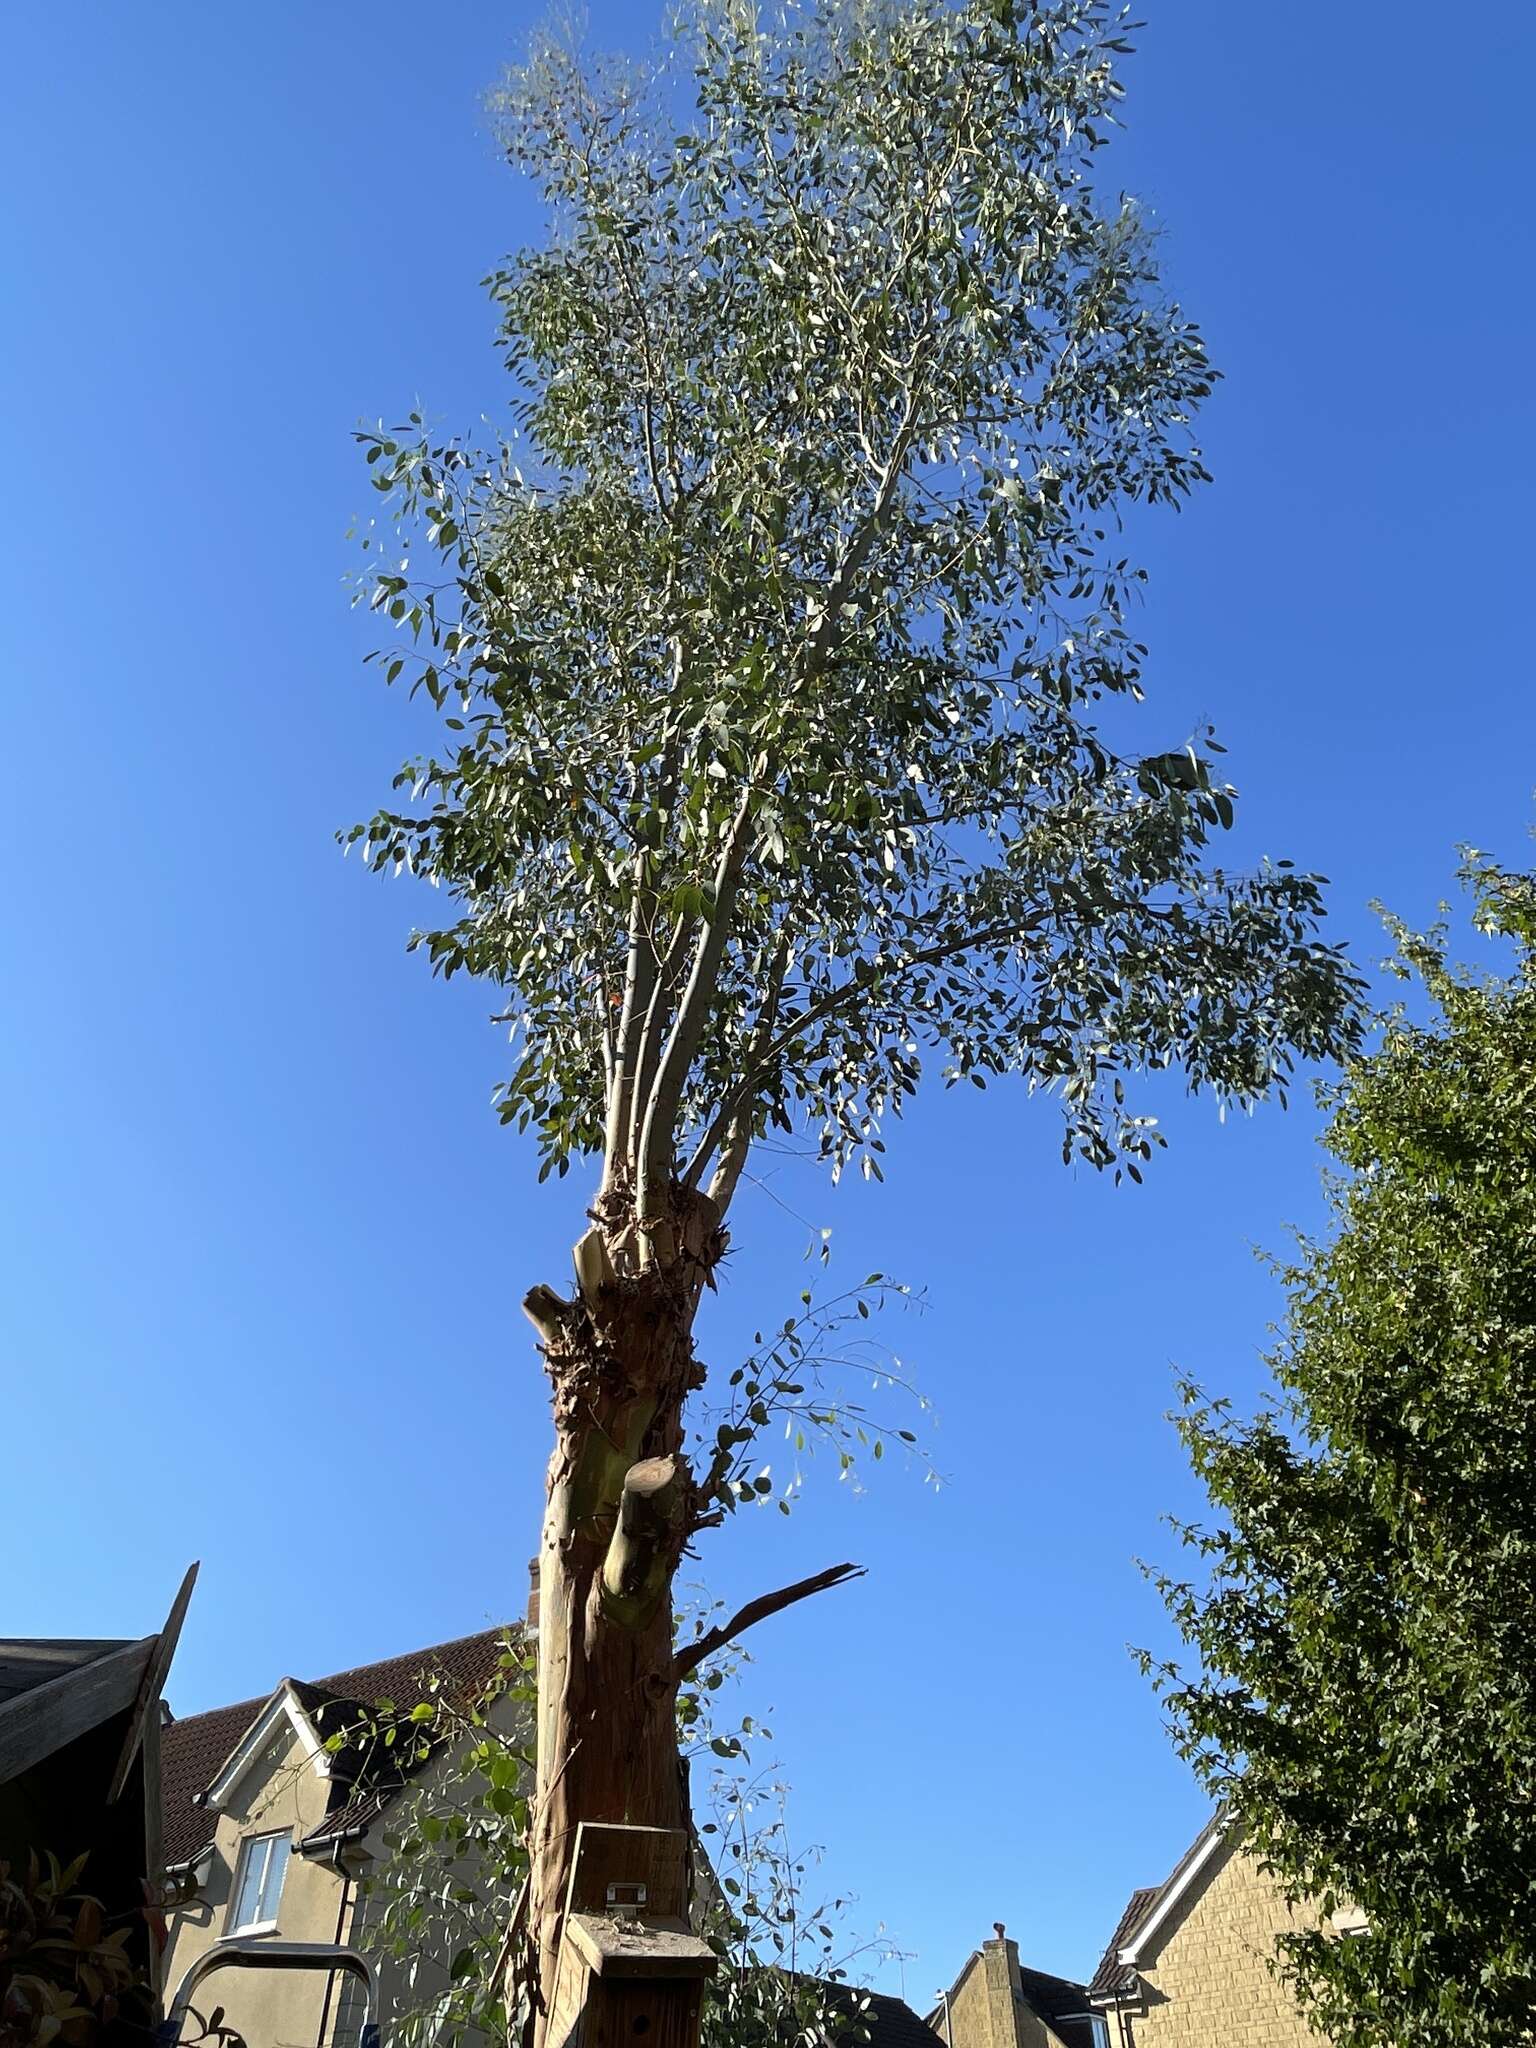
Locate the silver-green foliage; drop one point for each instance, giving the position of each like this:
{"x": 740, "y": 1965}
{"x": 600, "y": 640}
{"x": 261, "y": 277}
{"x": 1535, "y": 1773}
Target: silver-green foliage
{"x": 773, "y": 642}
{"x": 436, "y": 1906}
{"x": 786, "y": 1976}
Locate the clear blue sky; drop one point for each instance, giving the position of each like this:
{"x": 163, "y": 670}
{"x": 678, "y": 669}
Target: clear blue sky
{"x": 263, "y": 1241}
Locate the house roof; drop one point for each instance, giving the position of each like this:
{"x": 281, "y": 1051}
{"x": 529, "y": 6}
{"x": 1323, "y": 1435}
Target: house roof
{"x": 1114, "y": 1979}
{"x": 55, "y": 1691}
{"x": 1149, "y": 1910}
{"x": 1055, "y": 2000}
{"x": 191, "y": 1752}
{"x": 353, "y": 1817}
{"x": 890, "y": 2021}
{"x": 195, "y": 1750}
{"x": 26, "y": 1661}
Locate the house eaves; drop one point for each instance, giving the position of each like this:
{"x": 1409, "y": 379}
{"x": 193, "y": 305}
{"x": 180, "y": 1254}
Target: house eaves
{"x": 1186, "y": 1875}
{"x": 283, "y": 1709}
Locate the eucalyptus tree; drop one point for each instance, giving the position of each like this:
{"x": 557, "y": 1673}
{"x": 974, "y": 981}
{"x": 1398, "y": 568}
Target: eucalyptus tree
{"x": 776, "y": 643}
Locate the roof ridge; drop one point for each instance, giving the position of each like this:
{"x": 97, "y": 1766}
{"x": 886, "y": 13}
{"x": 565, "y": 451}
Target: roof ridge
{"x": 207, "y": 1713}
{"x": 474, "y": 1635}
{"x": 1050, "y": 1977}
{"x": 347, "y": 1671}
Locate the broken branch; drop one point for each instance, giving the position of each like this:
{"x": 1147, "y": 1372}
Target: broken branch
{"x": 693, "y": 1654}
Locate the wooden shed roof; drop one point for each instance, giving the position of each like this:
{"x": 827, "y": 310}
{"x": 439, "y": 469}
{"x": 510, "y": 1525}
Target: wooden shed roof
{"x": 54, "y": 1690}
{"x": 26, "y": 1661}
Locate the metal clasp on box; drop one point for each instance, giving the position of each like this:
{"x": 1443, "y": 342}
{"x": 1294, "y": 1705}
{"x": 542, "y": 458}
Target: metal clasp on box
{"x": 625, "y": 1901}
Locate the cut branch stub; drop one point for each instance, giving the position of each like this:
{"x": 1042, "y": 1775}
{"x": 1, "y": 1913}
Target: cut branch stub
{"x": 547, "y": 1311}
{"x": 594, "y": 1268}
{"x": 643, "y": 1551}
{"x": 701, "y": 1229}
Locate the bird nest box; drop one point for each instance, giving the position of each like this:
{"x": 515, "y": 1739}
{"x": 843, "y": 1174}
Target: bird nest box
{"x": 632, "y": 1969}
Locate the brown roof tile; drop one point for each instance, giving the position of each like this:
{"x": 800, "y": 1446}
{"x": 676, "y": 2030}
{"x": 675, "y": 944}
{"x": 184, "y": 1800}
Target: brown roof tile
{"x": 1114, "y": 1979}
{"x": 191, "y": 1752}
{"x": 1052, "y": 1998}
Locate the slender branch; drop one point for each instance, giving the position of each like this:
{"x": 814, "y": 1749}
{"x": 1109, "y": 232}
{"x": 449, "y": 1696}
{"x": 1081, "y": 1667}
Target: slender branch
{"x": 836, "y": 999}
{"x": 736, "y": 1139}
{"x": 859, "y": 545}
{"x": 666, "y": 1093}
{"x": 693, "y": 1654}
{"x": 653, "y": 1037}
{"x": 605, "y": 1034}
{"x": 648, "y": 397}
{"x": 640, "y": 970}
{"x": 597, "y": 200}
{"x": 648, "y": 1018}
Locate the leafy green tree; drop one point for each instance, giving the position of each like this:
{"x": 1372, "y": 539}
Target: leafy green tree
{"x": 773, "y": 648}
{"x": 1366, "y": 1693}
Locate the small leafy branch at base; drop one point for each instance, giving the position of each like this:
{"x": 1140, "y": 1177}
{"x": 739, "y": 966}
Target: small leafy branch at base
{"x": 437, "y": 1910}
{"x": 786, "y": 1960}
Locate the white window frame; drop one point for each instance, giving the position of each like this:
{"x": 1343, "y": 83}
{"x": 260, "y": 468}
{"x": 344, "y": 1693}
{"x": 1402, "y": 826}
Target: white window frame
{"x": 249, "y": 1844}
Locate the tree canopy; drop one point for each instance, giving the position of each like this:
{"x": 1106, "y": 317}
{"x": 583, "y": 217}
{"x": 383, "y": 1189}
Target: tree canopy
{"x": 1365, "y": 1697}
{"x": 773, "y": 639}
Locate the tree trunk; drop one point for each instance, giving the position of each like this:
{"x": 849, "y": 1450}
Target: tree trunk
{"x": 618, "y": 1511}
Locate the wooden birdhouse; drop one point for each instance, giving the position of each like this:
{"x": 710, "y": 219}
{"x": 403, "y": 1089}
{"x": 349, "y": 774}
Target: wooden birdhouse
{"x": 632, "y": 1969}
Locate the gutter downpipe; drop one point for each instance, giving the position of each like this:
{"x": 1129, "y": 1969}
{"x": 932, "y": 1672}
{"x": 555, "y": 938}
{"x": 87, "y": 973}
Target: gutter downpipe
{"x": 341, "y": 1921}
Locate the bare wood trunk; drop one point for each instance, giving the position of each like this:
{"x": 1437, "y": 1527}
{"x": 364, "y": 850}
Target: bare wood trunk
{"x": 621, "y": 1361}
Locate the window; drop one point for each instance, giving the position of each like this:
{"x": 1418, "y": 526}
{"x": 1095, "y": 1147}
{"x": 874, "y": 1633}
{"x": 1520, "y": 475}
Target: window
{"x": 259, "y": 1882}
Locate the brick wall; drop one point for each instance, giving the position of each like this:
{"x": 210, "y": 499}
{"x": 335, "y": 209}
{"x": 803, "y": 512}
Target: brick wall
{"x": 987, "y": 2008}
{"x": 1208, "y": 1984}
{"x": 981, "y": 2006}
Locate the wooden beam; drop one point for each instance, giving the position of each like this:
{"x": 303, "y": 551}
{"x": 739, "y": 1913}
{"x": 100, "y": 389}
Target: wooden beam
{"x": 614, "y": 1858}
{"x": 148, "y": 1701}
{"x": 621, "y": 1948}
{"x": 33, "y": 1660}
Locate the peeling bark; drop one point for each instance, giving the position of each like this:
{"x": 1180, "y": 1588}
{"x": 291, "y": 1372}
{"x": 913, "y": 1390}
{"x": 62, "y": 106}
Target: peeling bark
{"x": 618, "y": 1503}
